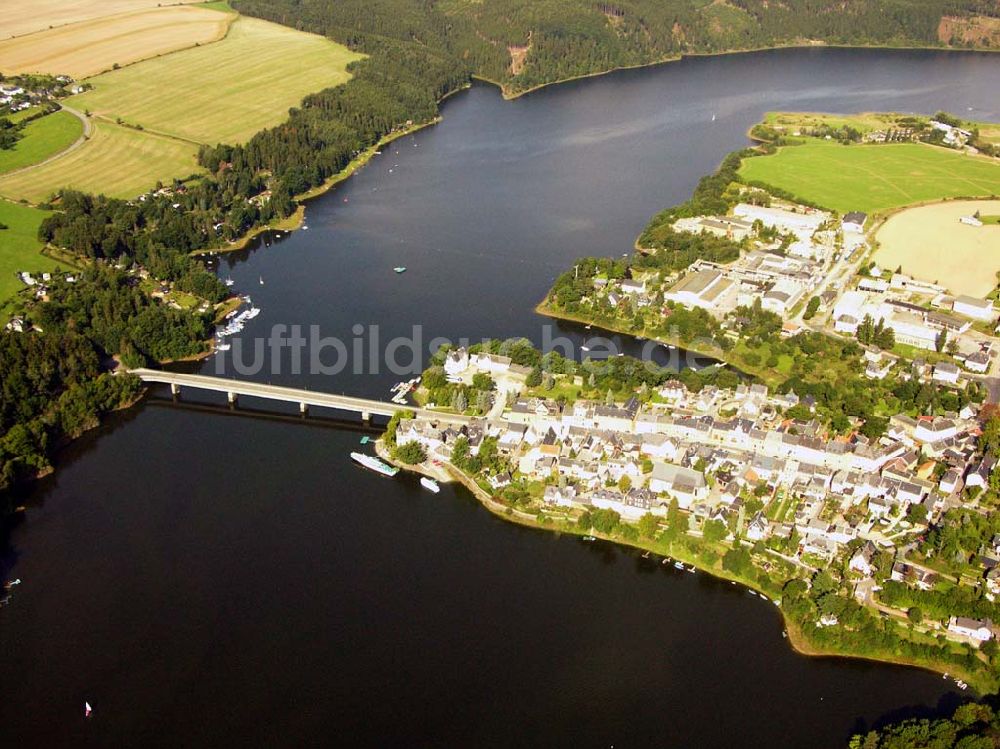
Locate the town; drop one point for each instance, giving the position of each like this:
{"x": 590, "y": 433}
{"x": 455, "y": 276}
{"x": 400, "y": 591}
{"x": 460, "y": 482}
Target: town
{"x": 753, "y": 464}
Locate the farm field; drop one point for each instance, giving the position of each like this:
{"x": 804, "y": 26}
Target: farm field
{"x": 930, "y": 244}
{"x": 19, "y": 246}
{"x": 25, "y": 18}
{"x": 225, "y": 91}
{"x": 116, "y": 161}
{"x": 41, "y": 138}
{"x": 873, "y": 178}
{"x": 93, "y": 46}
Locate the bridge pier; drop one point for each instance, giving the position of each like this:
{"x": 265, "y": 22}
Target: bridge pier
{"x": 175, "y": 389}
{"x": 303, "y": 408}
{"x": 366, "y": 416}
{"x": 232, "y": 398}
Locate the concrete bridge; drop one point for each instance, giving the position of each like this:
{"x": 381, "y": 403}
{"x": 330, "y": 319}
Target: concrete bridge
{"x": 304, "y": 398}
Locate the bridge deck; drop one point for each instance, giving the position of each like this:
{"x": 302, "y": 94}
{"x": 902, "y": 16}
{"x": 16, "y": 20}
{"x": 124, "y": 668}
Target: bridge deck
{"x": 289, "y": 395}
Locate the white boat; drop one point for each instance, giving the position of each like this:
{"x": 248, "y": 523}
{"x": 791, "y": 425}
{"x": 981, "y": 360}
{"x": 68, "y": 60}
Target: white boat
{"x": 678, "y": 565}
{"x": 229, "y": 282}
{"x": 585, "y": 348}
{"x": 429, "y": 484}
{"x": 262, "y": 280}
{"x": 369, "y": 461}
{"x": 87, "y": 710}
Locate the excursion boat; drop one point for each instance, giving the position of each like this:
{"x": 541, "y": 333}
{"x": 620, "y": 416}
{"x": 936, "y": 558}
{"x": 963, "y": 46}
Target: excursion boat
{"x": 429, "y": 484}
{"x": 369, "y": 461}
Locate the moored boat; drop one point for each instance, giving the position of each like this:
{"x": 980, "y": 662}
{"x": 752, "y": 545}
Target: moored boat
{"x": 369, "y": 461}
{"x": 429, "y": 484}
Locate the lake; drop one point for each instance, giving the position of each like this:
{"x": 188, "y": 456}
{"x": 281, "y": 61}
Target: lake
{"x": 208, "y": 577}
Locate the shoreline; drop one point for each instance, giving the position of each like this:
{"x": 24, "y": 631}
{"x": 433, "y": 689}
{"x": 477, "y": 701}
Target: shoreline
{"x": 542, "y": 308}
{"x": 797, "y": 638}
{"x": 510, "y": 94}
{"x": 295, "y": 220}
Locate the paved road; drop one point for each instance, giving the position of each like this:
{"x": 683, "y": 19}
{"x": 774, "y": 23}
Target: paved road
{"x": 248, "y": 388}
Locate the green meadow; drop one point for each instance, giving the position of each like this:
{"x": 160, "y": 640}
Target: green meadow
{"x": 19, "y": 246}
{"x": 873, "y": 178}
{"x": 41, "y": 139}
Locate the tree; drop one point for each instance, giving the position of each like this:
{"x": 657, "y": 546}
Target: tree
{"x": 648, "y": 525}
{"x": 714, "y": 531}
{"x": 915, "y": 615}
{"x": 941, "y": 340}
{"x": 677, "y": 520}
{"x": 410, "y": 452}
{"x": 482, "y": 381}
{"x": 811, "y": 308}
{"x": 624, "y": 483}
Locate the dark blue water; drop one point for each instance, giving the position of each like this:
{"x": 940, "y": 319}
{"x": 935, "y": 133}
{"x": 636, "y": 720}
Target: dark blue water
{"x": 210, "y": 578}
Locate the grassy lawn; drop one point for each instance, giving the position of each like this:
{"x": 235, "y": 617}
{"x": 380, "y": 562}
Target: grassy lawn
{"x": 19, "y": 246}
{"x": 41, "y": 138}
{"x": 789, "y": 122}
{"x": 116, "y": 161}
{"x": 221, "y": 92}
{"x": 873, "y": 178}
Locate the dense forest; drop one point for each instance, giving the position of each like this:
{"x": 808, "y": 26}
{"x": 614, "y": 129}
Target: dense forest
{"x": 54, "y": 381}
{"x": 971, "y": 726}
{"x": 524, "y": 43}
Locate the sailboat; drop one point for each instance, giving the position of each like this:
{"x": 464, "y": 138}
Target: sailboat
{"x": 262, "y": 280}
{"x": 713, "y": 118}
{"x": 87, "y": 710}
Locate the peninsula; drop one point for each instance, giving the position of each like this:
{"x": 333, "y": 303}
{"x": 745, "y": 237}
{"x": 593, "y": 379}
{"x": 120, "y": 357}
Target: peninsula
{"x": 849, "y": 474}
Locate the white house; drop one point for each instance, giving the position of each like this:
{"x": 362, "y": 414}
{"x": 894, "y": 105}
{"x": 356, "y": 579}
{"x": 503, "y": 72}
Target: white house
{"x": 685, "y": 484}
{"x": 854, "y": 222}
{"x": 946, "y": 372}
{"x": 970, "y": 306}
{"x": 564, "y": 496}
{"x": 456, "y": 362}
{"x": 977, "y": 631}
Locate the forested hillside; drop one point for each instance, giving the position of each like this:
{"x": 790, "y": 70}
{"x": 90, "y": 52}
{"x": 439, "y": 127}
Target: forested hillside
{"x": 523, "y": 43}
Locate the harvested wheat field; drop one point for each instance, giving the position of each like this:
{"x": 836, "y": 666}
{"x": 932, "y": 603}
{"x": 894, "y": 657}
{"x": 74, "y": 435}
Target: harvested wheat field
{"x": 116, "y": 161}
{"x": 222, "y": 92}
{"x": 90, "y": 47}
{"x": 20, "y": 18}
{"x": 931, "y": 244}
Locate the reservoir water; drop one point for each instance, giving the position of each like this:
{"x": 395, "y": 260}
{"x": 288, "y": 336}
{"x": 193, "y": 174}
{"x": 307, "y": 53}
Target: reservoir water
{"x": 213, "y": 578}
